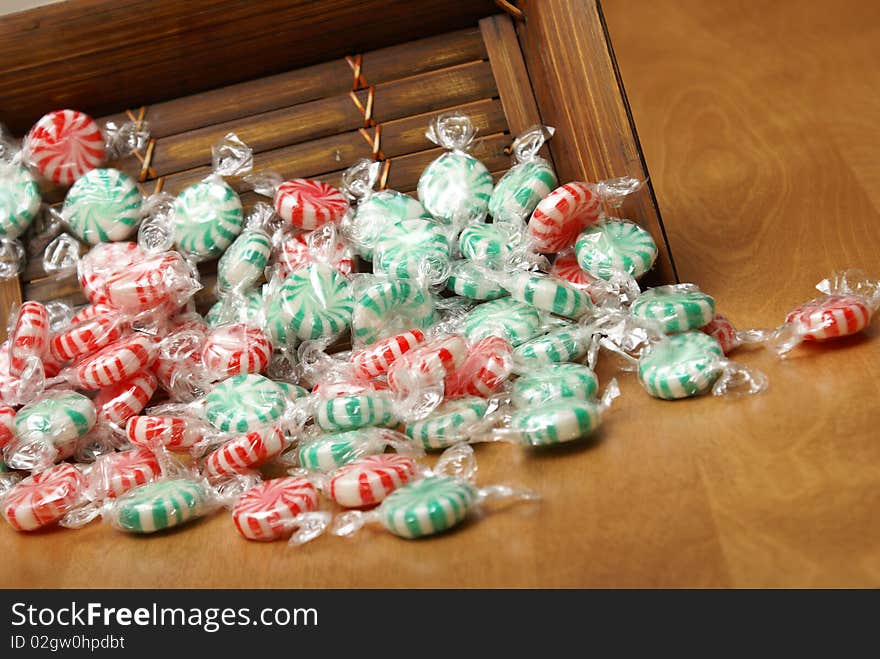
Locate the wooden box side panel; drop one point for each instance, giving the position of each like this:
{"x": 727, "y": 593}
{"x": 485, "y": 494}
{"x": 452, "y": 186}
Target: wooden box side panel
{"x": 578, "y": 90}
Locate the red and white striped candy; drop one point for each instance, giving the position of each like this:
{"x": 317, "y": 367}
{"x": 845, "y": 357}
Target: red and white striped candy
{"x": 43, "y": 498}
{"x": 117, "y": 362}
{"x": 171, "y": 432}
{"x": 236, "y": 349}
{"x": 830, "y": 316}
{"x": 309, "y": 204}
{"x": 7, "y": 425}
{"x": 485, "y": 370}
{"x": 562, "y": 215}
{"x": 103, "y": 261}
{"x": 65, "y": 144}
{"x": 126, "y": 399}
{"x": 30, "y": 336}
{"x": 266, "y": 512}
{"x": 428, "y": 363}
{"x": 249, "y": 451}
{"x": 369, "y": 480}
{"x": 157, "y": 281}
{"x": 723, "y": 331}
{"x": 90, "y": 312}
{"x": 293, "y": 252}
{"x": 87, "y": 337}
{"x": 121, "y": 472}
{"x": 375, "y": 360}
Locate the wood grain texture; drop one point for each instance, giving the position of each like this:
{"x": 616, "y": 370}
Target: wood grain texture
{"x": 82, "y": 54}
{"x": 759, "y": 128}
{"x": 576, "y": 87}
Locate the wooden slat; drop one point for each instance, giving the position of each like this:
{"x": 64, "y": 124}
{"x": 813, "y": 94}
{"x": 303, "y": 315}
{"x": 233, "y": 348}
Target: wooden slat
{"x": 10, "y": 295}
{"x": 567, "y": 51}
{"x": 311, "y": 83}
{"x": 330, "y": 116}
{"x": 103, "y": 55}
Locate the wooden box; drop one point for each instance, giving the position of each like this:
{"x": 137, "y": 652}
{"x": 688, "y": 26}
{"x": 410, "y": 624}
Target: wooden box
{"x": 313, "y": 86}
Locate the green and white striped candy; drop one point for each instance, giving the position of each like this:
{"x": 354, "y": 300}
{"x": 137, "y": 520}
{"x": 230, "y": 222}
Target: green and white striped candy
{"x": 207, "y": 218}
{"x": 58, "y": 418}
{"x": 560, "y": 345}
{"x": 242, "y": 265}
{"x": 278, "y": 323}
{"x": 328, "y": 452}
{"x": 160, "y": 505}
{"x": 615, "y": 246}
{"x": 317, "y": 300}
{"x": 427, "y": 506}
{"x": 485, "y": 243}
{"x": 293, "y": 391}
{"x": 411, "y": 247}
{"x": 375, "y": 213}
{"x": 681, "y": 366}
{"x": 243, "y": 402}
{"x": 19, "y": 200}
{"x": 466, "y": 280}
{"x": 449, "y": 423}
{"x": 251, "y": 313}
{"x": 565, "y": 421}
{"x": 548, "y": 293}
{"x": 520, "y": 190}
{"x": 104, "y": 205}
{"x": 674, "y": 308}
{"x": 455, "y": 189}
{"x": 386, "y": 308}
{"x": 514, "y": 321}
{"x": 552, "y": 383}
{"x": 355, "y": 411}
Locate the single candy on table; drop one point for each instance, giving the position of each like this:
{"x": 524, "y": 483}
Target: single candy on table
{"x": 512, "y": 320}
{"x": 555, "y": 423}
{"x": 63, "y": 145}
{"x": 552, "y": 383}
{"x": 375, "y": 360}
{"x": 484, "y": 371}
{"x": 389, "y": 307}
{"x": 242, "y": 265}
{"x": 681, "y": 366}
{"x": 378, "y": 211}
{"x": 207, "y": 218}
{"x": 19, "y": 200}
{"x": 455, "y": 189}
{"x": 308, "y": 204}
{"x": 234, "y": 350}
{"x": 369, "y": 480}
{"x": 58, "y": 418}
{"x": 318, "y": 302}
{"x": 467, "y": 280}
{"x": 30, "y": 337}
{"x": 353, "y": 411}
{"x": 243, "y": 403}
{"x": 117, "y": 362}
{"x": 126, "y": 470}
{"x": 520, "y": 190}
{"x": 268, "y": 510}
{"x": 119, "y": 402}
{"x": 562, "y": 215}
{"x": 104, "y": 205}
{"x": 561, "y": 345}
{"x": 249, "y": 451}
{"x": 174, "y": 433}
{"x": 830, "y": 316}
{"x": 452, "y": 422}
{"x": 43, "y": 498}
{"x": 100, "y": 263}
{"x": 427, "y": 506}
{"x": 674, "y": 308}
{"x": 548, "y": 293}
{"x": 616, "y": 246}
{"x": 160, "y": 505}
{"x": 412, "y": 249}
{"x": 485, "y": 243}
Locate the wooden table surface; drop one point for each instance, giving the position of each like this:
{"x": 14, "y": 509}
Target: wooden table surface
{"x": 759, "y": 123}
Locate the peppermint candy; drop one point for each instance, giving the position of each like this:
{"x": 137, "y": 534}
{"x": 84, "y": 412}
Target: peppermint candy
{"x": 562, "y": 215}
{"x": 309, "y": 204}
{"x": 268, "y": 510}
{"x": 681, "y": 366}
{"x": 207, "y": 218}
{"x": 63, "y": 145}
{"x": 117, "y": 403}
{"x": 616, "y": 246}
{"x": 317, "y": 300}
{"x": 104, "y": 205}
{"x": 249, "y": 451}
{"x": 117, "y": 362}
{"x": 160, "y": 505}
{"x": 19, "y": 200}
{"x": 369, "y": 480}
{"x": 43, "y": 498}
{"x": 427, "y": 506}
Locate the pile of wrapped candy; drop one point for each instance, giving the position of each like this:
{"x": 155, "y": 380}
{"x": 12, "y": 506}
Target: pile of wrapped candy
{"x": 355, "y": 331}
